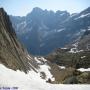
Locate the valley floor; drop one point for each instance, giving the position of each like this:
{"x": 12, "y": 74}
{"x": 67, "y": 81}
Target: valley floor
{"x": 17, "y": 80}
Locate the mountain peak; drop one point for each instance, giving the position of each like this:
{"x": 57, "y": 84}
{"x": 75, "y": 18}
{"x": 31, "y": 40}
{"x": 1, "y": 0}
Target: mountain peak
{"x": 37, "y": 8}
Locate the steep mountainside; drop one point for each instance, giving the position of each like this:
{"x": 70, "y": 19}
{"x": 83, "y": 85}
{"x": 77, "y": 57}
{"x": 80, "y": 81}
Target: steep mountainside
{"x": 12, "y": 53}
{"x": 42, "y": 31}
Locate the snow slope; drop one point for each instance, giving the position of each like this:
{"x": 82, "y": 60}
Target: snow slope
{"x": 44, "y": 67}
{"x": 31, "y": 81}
{"x": 83, "y": 69}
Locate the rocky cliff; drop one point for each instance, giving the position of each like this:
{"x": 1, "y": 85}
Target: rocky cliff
{"x": 12, "y": 53}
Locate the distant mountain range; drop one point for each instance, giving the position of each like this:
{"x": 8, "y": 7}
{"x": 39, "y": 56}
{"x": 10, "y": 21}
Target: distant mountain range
{"x": 43, "y": 31}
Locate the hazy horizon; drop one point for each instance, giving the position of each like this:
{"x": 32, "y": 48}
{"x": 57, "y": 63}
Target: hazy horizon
{"x": 22, "y": 8}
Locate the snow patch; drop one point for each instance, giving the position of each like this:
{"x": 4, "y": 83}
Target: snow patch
{"x": 83, "y": 57}
{"x": 46, "y": 70}
{"x": 82, "y": 16}
{"x": 89, "y": 28}
{"x": 29, "y": 57}
{"x": 63, "y": 48}
{"x": 75, "y": 44}
{"x": 74, "y": 50}
{"x": 62, "y": 67}
{"x": 31, "y": 81}
{"x": 60, "y": 30}
{"x": 62, "y": 14}
{"x": 43, "y": 59}
{"x": 83, "y": 69}
{"x": 38, "y": 61}
{"x": 44, "y": 67}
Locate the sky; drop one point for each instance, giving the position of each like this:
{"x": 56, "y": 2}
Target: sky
{"x": 23, "y": 7}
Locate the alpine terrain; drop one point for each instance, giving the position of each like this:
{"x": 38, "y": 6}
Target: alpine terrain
{"x": 19, "y": 70}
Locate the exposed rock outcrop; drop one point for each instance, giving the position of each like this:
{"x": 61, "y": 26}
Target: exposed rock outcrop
{"x": 12, "y": 53}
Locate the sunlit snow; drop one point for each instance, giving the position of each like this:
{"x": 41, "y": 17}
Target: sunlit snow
{"x": 83, "y": 15}
{"x": 83, "y": 69}
{"x": 62, "y": 67}
{"x": 31, "y": 81}
{"x": 44, "y": 67}
{"x": 74, "y": 50}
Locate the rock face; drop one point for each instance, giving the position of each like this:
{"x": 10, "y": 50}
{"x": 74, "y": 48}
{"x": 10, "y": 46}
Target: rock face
{"x": 12, "y": 53}
{"x": 42, "y": 31}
